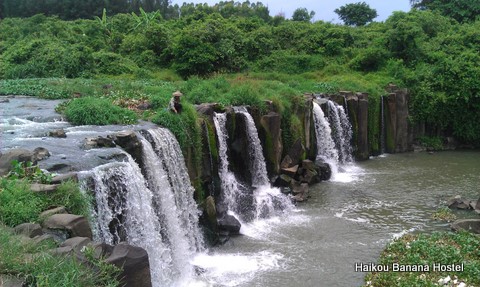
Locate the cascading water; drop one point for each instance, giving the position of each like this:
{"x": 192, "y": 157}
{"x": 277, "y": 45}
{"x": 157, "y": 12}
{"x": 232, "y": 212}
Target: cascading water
{"x": 168, "y": 152}
{"x": 231, "y": 188}
{"x": 156, "y": 212}
{"x": 382, "y": 125}
{"x": 326, "y": 149}
{"x": 341, "y": 132}
{"x": 125, "y": 212}
{"x": 267, "y": 199}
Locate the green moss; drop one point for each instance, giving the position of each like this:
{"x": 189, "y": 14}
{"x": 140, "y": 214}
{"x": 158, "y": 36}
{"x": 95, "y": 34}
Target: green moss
{"x": 374, "y": 125}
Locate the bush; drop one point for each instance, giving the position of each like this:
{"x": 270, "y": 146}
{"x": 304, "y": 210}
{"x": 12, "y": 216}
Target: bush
{"x": 97, "y": 111}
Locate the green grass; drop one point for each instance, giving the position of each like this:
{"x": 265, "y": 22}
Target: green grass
{"x": 30, "y": 262}
{"x": 18, "y": 204}
{"x": 97, "y": 111}
{"x": 444, "y": 214}
{"x": 443, "y": 248}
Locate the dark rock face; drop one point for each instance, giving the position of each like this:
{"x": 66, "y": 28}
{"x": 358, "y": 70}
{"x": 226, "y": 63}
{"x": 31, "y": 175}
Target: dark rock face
{"x": 21, "y": 155}
{"x": 134, "y": 264}
{"x": 471, "y": 225}
{"x": 75, "y": 225}
{"x": 324, "y": 170}
{"x": 363, "y": 151}
{"x": 398, "y": 131}
{"x": 229, "y": 223}
{"x": 239, "y": 147}
{"x": 129, "y": 141}
{"x": 98, "y": 142}
{"x": 271, "y": 136}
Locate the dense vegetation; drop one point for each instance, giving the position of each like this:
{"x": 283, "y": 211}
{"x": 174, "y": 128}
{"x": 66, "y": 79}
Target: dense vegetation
{"x": 434, "y": 56}
{"x": 445, "y": 248}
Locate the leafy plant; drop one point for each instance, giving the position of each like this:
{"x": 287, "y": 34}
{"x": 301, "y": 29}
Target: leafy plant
{"x": 26, "y": 170}
{"x": 444, "y": 214}
{"x": 97, "y": 111}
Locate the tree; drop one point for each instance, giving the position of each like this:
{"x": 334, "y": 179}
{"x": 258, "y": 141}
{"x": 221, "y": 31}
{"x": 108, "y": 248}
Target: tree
{"x": 301, "y": 14}
{"x": 460, "y": 10}
{"x": 356, "y": 14}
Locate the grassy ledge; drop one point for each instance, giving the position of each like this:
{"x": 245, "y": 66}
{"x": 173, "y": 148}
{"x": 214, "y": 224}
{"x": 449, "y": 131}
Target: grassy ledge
{"x": 422, "y": 251}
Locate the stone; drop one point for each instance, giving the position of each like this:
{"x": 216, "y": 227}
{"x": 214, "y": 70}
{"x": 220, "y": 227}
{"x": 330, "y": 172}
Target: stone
{"x": 211, "y": 211}
{"x": 66, "y": 250}
{"x": 477, "y": 206}
{"x": 323, "y": 169}
{"x": 271, "y": 136}
{"x": 282, "y": 181}
{"x": 145, "y": 106}
{"x": 28, "y": 229}
{"x": 134, "y": 264}
{"x": 129, "y": 141}
{"x": 18, "y": 154}
{"x": 286, "y": 162}
{"x": 310, "y": 177}
{"x": 101, "y": 250}
{"x": 98, "y": 142}
{"x": 76, "y": 243}
{"x": 308, "y": 164}
{"x": 40, "y": 153}
{"x": 42, "y": 238}
{"x": 75, "y": 225}
{"x": 60, "y": 133}
{"x": 458, "y": 202}
{"x": 471, "y": 225}
{"x": 229, "y": 223}
{"x": 11, "y": 281}
{"x": 363, "y": 151}
{"x": 50, "y": 212}
{"x": 43, "y": 188}
{"x": 296, "y": 152}
{"x": 291, "y": 171}
{"x": 73, "y": 176}
{"x": 298, "y": 188}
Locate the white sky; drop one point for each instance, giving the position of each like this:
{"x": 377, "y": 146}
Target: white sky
{"x": 323, "y": 8}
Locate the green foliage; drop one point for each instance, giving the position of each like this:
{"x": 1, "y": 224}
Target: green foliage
{"x": 46, "y": 269}
{"x": 302, "y": 14}
{"x": 460, "y": 10}
{"x": 18, "y": 204}
{"x": 444, "y": 214}
{"x": 432, "y": 143}
{"x": 26, "y": 170}
{"x": 97, "y": 111}
{"x": 356, "y": 14}
{"x": 444, "y": 248}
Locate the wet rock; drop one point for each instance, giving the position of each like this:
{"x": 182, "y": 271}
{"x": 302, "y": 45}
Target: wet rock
{"x": 43, "y": 188}
{"x": 75, "y": 225}
{"x": 134, "y": 264}
{"x": 458, "y": 202}
{"x": 129, "y": 141}
{"x": 28, "y": 229}
{"x": 296, "y": 152}
{"x": 292, "y": 171}
{"x": 98, "y": 142}
{"x": 101, "y": 250}
{"x": 323, "y": 169}
{"x": 308, "y": 164}
{"x": 471, "y": 225}
{"x": 229, "y": 223}
{"x": 271, "y": 136}
{"x": 286, "y": 162}
{"x": 60, "y": 133}
{"x": 40, "y": 153}
{"x": 310, "y": 177}
{"x": 64, "y": 177}
{"x": 208, "y": 109}
{"x": 60, "y": 167}
{"x": 19, "y": 154}
{"x": 211, "y": 212}
{"x": 282, "y": 181}
{"x": 4, "y": 101}
{"x": 473, "y": 204}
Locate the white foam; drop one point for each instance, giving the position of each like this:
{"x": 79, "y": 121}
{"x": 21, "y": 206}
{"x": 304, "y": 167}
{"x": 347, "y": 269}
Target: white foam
{"x": 234, "y": 269}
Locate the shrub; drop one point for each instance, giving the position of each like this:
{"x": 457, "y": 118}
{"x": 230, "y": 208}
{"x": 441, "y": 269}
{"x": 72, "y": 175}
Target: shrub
{"x": 97, "y": 111}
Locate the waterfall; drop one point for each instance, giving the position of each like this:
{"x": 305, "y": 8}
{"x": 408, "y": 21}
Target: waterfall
{"x": 257, "y": 161}
{"x": 125, "y": 212}
{"x": 155, "y": 211}
{"x": 231, "y": 188}
{"x": 326, "y": 149}
{"x": 347, "y": 135}
{"x": 382, "y": 125}
{"x": 268, "y": 200}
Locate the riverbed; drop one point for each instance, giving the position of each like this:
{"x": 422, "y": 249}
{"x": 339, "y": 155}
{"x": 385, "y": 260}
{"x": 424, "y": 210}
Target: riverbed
{"x": 345, "y": 221}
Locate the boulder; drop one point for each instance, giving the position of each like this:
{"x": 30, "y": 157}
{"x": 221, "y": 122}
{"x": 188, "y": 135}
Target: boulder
{"x": 282, "y": 181}
{"x": 50, "y": 212}
{"x": 60, "y": 133}
{"x": 42, "y": 238}
{"x": 323, "y": 169}
{"x": 296, "y": 152}
{"x": 291, "y": 171}
{"x": 458, "y": 203}
{"x": 129, "y": 141}
{"x": 229, "y": 223}
{"x": 75, "y": 225}
{"x": 286, "y": 162}
{"x": 471, "y": 225}
{"x": 40, "y": 153}
{"x": 310, "y": 177}
{"x": 43, "y": 188}
{"x": 11, "y": 281}
{"x": 477, "y": 206}
{"x": 28, "y": 229}
{"x": 308, "y": 164}
{"x": 76, "y": 243}
{"x": 18, "y": 154}
{"x": 271, "y": 136}
{"x": 134, "y": 264}
{"x": 98, "y": 142}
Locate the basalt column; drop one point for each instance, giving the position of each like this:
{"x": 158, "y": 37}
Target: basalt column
{"x": 396, "y": 121}
{"x": 358, "y": 114}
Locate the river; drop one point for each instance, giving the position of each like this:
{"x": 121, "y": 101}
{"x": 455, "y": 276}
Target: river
{"x": 345, "y": 221}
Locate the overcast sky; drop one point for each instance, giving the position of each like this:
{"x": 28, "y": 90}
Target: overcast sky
{"x": 323, "y": 8}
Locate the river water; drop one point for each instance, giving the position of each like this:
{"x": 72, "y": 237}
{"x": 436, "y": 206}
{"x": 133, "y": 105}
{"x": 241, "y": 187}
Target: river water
{"x": 345, "y": 221}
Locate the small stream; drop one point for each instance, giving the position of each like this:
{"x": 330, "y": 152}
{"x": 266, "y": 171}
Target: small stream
{"x": 346, "y": 222}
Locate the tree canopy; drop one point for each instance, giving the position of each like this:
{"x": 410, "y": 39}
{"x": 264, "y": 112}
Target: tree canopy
{"x": 460, "y": 10}
{"x": 302, "y": 14}
{"x": 356, "y": 14}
